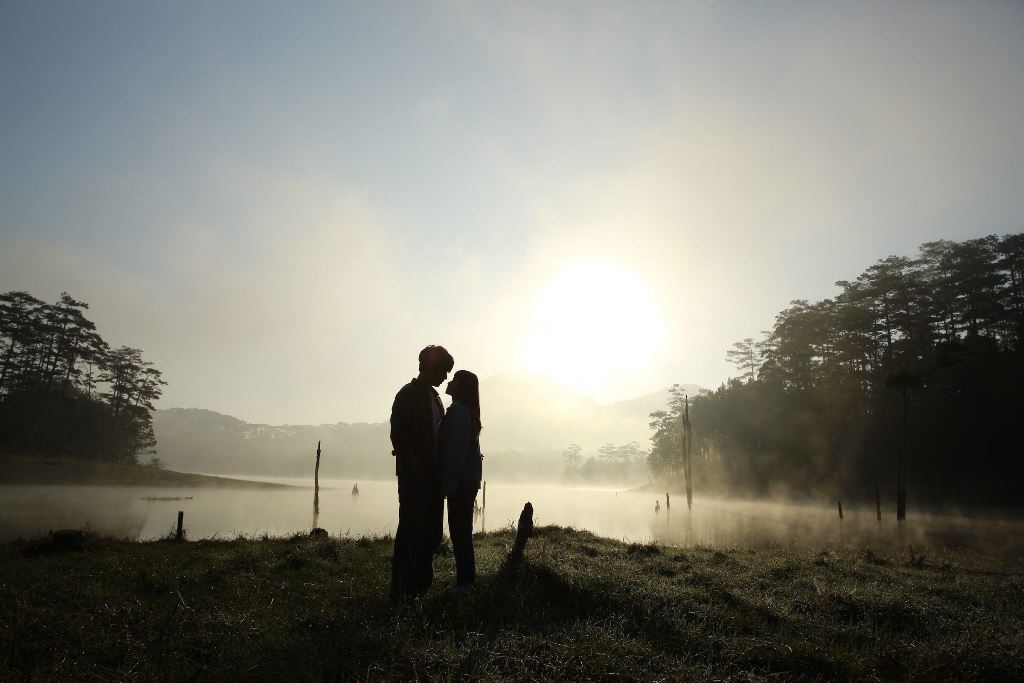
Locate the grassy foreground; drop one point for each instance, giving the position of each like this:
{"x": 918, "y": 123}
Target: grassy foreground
{"x": 580, "y": 607}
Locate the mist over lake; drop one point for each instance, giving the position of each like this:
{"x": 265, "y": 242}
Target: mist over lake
{"x": 146, "y": 513}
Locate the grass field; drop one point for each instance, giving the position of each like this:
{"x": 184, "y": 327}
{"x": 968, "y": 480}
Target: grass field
{"x": 580, "y": 607}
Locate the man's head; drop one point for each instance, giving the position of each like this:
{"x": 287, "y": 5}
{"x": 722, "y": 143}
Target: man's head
{"x": 435, "y": 364}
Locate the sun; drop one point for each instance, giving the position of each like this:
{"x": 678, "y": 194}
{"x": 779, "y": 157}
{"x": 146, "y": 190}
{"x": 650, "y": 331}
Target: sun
{"x": 595, "y": 325}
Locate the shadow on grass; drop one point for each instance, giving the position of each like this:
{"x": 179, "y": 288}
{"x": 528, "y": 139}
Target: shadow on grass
{"x": 578, "y": 607}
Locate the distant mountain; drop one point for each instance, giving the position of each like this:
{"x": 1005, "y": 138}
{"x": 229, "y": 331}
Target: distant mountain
{"x": 528, "y": 421}
{"x": 195, "y": 440}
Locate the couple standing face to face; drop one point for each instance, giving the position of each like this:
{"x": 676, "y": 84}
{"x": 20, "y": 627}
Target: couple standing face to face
{"x": 432, "y": 450}
{"x": 436, "y": 363}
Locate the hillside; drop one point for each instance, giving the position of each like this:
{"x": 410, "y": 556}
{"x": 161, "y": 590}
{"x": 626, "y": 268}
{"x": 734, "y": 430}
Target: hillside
{"x": 52, "y": 470}
{"x": 205, "y": 441}
{"x": 528, "y": 421}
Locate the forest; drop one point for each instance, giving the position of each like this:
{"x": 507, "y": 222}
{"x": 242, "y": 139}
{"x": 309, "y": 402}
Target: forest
{"x": 916, "y": 365}
{"x": 612, "y": 463}
{"x": 65, "y": 391}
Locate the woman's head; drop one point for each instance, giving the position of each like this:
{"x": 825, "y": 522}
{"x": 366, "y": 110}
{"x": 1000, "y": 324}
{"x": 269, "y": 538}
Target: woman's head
{"x": 465, "y": 387}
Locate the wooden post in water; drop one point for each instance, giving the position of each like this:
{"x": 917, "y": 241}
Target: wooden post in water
{"x": 904, "y": 382}
{"x": 682, "y": 443}
{"x": 687, "y": 452}
{"x": 179, "y": 535}
{"x": 840, "y": 503}
{"x": 878, "y": 503}
{"x": 316, "y": 483}
{"x": 901, "y": 471}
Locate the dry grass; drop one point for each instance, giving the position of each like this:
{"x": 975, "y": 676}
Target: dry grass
{"x": 581, "y": 607}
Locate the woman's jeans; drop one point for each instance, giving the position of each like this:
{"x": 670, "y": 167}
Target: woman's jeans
{"x": 460, "y": 529}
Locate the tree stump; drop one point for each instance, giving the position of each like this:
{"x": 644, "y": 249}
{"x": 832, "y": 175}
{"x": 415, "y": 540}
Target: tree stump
{"x": 523, "y": 531}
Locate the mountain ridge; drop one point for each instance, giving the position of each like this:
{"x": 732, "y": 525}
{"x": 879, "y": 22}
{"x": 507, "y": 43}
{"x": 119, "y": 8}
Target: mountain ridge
{"x": 532, "y": 419}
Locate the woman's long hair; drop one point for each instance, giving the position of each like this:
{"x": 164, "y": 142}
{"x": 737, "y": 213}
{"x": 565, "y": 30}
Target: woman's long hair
{"x": 469, "y": 393}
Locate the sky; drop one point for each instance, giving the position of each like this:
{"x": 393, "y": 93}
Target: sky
{"x": 281, "y": 203}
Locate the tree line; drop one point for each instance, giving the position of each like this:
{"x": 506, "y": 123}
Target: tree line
{"x": 612, "y": 462}
{"x": 918, "y": 360}
{"x": 64, "y": 390}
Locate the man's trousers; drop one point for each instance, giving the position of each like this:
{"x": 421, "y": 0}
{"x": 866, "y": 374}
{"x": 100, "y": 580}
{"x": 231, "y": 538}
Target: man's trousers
{"x": 420, "y": 521}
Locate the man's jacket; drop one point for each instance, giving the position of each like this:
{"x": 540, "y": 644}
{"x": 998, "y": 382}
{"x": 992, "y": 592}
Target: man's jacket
{"x": 412, "y": 431}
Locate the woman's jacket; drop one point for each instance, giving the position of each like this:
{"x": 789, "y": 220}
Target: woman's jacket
{"x": 460, "y": 464}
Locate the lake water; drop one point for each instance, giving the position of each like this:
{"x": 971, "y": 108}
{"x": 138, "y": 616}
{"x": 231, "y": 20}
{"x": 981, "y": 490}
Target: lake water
{"x": 150, "y": 512}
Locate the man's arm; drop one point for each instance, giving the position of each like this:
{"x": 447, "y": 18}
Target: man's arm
{"x": 403, "y": 413}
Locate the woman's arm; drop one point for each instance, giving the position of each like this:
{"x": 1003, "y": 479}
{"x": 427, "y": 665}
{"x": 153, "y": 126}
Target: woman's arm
{"x": 455, "y": 448}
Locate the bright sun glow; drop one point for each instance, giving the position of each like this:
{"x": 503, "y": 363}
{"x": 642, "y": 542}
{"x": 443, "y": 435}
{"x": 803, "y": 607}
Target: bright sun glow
{"x": 595, "y": 324}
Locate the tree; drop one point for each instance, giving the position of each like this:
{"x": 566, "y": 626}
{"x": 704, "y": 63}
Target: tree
{"x": 820, "y": 414}
{"x": 573, "y": 458}
{"x": 746, "y": 356}
{"x": 629, "y": 453}
{"x": 665, "y": 459}
{"x": 134, "y": 385}
{"x": 63, "y": 391}
{"x": 1011, "y": 261}
{"x": 19, "y": 329}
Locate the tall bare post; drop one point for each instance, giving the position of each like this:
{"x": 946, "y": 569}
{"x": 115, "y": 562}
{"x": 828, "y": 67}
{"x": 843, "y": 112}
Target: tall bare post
{"x": 878, "y": 503}
{"x": 682, "y": 441}
{"x": 688, "y": 452}
{"x": 316, "y": 483}
{"x": 901, "y": 469}
{"x": 485, "y": 496}
{"x": 179, "y": 535}
{"x": 840, "y": 504}
{"x": 904, "y": 382}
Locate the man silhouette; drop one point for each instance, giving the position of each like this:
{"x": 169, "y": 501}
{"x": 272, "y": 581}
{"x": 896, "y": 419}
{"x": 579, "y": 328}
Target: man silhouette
{"x": 415, "y": 421}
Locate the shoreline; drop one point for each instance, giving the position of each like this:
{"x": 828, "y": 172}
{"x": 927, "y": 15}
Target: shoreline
{"x": 23, "y": 470}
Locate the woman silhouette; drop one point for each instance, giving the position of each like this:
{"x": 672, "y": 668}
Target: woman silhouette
{"x": 460, "y": 468}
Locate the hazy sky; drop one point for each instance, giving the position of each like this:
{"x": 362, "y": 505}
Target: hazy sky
{"x": 280, "y": 203}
